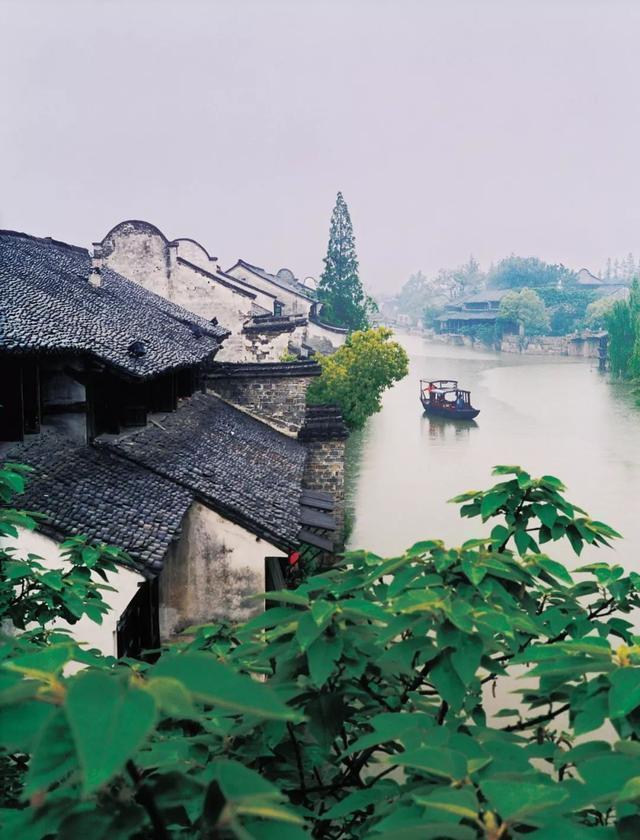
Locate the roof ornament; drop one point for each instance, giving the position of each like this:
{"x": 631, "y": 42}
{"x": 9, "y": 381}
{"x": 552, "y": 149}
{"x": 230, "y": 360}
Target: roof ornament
{"x": 137, "y": 349}
{"x": 95, "y": 276}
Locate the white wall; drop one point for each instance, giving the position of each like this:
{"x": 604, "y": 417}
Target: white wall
{"x": 293, "y": 304}
{"x": 320, "y": 337}
{"x": 211, "y": 572}
{"x": 100, "y": 636}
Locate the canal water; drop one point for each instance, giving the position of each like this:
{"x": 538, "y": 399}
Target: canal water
{"x": 552, "y": 415}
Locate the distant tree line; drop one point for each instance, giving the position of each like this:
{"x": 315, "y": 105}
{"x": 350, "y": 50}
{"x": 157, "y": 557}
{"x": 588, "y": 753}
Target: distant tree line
{"x": 558, "y": 305}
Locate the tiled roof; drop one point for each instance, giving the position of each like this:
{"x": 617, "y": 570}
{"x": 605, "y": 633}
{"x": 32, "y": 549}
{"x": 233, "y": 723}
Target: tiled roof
{"x": 84, "y": 490}
{"x": 48, "y": 305}
{"x": 284, "y": 278}
{"x": 466, "y": 315}
{"x": 244, "y": 469}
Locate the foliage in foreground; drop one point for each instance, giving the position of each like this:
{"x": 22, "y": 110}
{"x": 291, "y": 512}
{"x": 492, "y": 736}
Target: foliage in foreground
{"x": 378, "y": 715}
{"x": 357, "y": 374}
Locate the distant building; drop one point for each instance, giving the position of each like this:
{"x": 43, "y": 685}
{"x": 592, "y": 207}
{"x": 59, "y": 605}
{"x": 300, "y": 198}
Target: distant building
{"x": 480, "y": 309}
{"x": 207, "y": 475}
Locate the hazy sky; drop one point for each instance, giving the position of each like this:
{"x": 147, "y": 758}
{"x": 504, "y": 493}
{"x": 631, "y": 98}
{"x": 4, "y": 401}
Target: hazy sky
{"x": 451, "y": 127}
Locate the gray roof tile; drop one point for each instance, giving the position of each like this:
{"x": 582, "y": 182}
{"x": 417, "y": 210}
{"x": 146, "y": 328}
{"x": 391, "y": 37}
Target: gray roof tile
{"x": 244, "y": 469}
{"x": 47, "y": 305}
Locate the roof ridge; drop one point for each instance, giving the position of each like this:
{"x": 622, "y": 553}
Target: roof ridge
{"x": 46, "y": 240}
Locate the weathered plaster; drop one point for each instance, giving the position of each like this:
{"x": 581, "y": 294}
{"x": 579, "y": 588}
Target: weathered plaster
{"x": 211, "y": 573}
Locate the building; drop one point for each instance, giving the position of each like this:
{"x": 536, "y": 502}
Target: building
{"x": 140, "y": 439}
{"x": 479, "y": 309}
{"x": 265, "y": 315}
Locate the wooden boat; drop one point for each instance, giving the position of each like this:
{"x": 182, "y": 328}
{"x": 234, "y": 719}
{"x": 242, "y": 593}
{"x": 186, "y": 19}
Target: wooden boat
{"x": 443, "y": 398}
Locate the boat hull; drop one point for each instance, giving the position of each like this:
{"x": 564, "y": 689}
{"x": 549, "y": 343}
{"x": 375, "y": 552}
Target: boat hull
{"x": 452, "y": 413}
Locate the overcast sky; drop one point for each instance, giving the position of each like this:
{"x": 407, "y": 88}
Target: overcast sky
{"x": 451, "y": 127}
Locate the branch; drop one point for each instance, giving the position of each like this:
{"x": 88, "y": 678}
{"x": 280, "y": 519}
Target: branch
{"x": 296, "y": 748}
{"x": 145, "y": 798}
{"x": 525, "y": 724}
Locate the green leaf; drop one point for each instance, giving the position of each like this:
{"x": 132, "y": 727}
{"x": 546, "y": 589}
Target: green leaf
{"x": 624, "y": 695}
{"x": 473, "y": 569}
{"x": 491, "y": 502}
{"x": 286, "y": 597}
{"x": 420, "y": 548}
{"x": 502, "y": 469}
{"x": 54, "y": 756}
{"x": 429, "y": 831}
{"x": 547, "y": 514}
{"x": 445, "y": 678}
{"x": 466, "y": 657}
{"x": 524, "y": 480}
{"x": 172, "y": 697}
{"x": 361, "y": 608}
{"x": 461, "y": 803}
{"x": 20, "y": 723}
{"x": 308, "y": 630}
{"x": 630, "y": 791}
{"x": 441, "y": 762}
{"x": 238, "y": 782}
{"x": 356, "y": 801}
{"x": 515, "y": 802}
{"x": 553, "y": 482}
{"x": 322, "y": 657}
{"x": 44, "y": 663}
{"x": 109, "y": 722}
{"x": 212, "y": 682}
{"x": 555, "y": 569}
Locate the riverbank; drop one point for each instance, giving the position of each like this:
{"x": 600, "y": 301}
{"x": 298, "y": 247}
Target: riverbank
{"x": 587, "y": 345}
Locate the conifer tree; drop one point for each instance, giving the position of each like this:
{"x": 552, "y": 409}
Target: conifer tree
{"x": 344, "y": 303}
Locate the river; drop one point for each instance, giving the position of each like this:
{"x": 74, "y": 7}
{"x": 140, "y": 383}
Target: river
{"x": 549, "y": 414}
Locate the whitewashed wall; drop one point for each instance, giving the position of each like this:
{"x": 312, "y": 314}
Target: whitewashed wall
{"x": 211, "y": 572}
{"x": 293, "y": 304}
{"x": 125, "y": 582}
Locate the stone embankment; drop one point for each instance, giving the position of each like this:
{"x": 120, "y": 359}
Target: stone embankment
{"x": 587, "y": 345}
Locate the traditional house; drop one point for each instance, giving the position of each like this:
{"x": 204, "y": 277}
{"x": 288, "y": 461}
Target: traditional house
{"x": 480, "y": 309}
{"x": 266, "y": 315}
{"x": 103, "y": 391}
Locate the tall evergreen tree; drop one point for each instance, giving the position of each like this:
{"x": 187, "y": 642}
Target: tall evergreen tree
{"x": 344, "y": 303}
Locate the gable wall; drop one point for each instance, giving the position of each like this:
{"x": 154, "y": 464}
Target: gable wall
{"x": 293, "y": 304}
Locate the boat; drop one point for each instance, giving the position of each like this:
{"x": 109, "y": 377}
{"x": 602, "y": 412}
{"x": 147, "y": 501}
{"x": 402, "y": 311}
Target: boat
{"x": 443, "y": 398}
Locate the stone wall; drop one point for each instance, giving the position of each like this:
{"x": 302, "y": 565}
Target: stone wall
{"x": 211, "y": 573}
{"x": 538, "y": 345}
{"x": 325, "y": 435}
{"x": 273, "y": 392}
{"x": 585, "y": 345}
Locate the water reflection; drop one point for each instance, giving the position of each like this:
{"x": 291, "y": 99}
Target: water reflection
{"x": 550, "y": 414}
{"x": 439, "y": 428}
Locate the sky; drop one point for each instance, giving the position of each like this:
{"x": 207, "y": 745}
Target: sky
{"x": 451, "y": 127}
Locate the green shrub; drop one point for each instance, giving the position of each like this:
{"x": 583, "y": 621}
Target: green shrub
{"x": 362, "y": 705}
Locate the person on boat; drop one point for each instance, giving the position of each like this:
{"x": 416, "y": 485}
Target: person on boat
{"x": 460, "y": 402}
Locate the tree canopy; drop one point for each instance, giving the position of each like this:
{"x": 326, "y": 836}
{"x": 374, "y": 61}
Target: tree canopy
{"x": 623, "y": 325}
{"x": 531, "y": 272}
{"x": 367, "y": 703}
{"x": 358, "y": 373}
{"x": 526, "y": 309}
{"x": 344, "y": 302}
